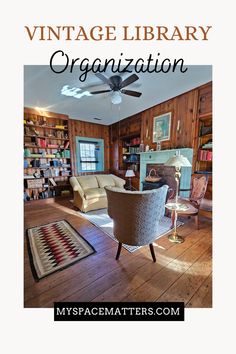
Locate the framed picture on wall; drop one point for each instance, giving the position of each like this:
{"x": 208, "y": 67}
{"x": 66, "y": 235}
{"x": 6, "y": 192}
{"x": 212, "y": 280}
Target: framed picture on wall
{"x": 161, "y": 127}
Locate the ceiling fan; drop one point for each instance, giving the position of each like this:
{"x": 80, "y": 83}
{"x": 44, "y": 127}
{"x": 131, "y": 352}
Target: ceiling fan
{"x": 117, "y": 86}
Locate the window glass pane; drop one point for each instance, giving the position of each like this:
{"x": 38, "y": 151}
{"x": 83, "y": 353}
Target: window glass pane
{"x": 87, "y": 156}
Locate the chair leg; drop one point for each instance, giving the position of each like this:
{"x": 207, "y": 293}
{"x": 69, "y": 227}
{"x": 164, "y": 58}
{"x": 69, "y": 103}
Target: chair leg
{"x": 152, "y": 252}
{"x": 197, "y": 222}
{"x": 118, "y": 250}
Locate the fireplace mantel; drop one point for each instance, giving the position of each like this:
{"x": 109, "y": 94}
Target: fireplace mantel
{"x": 152, "y": 157}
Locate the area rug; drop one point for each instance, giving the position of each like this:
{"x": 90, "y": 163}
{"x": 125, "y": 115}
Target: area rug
{"x": 101, "y": 219}
{"x": 55, "y": 246}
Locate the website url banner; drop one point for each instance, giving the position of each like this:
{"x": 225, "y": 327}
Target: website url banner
{"x": 118, "y": 311}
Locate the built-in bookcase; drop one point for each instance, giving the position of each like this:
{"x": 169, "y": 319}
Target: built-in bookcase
{"x": 204, "y": 137}
{"x": 47, "y": 156}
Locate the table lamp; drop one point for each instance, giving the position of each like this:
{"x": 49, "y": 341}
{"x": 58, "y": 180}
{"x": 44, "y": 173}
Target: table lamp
{"x": 130, "y": 174}
{"x": 178, "y": 161}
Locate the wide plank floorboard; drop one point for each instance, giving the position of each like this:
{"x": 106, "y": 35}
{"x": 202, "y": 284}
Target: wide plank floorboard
{"x": 183, "y": 272}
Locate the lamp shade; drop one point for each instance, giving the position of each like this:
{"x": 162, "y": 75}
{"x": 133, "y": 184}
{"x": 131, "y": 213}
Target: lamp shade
{"x": 129, "y": 173}
{"x": 178, "y": 161}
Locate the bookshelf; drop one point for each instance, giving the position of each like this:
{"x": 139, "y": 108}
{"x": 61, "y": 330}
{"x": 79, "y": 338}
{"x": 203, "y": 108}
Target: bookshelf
{"x": 47, "y": 156}
{"x": 203, "y": 146}
{"x": 130, "y": 158}
{"x": 204, "y": 154}
{"x": 130, "y": 153}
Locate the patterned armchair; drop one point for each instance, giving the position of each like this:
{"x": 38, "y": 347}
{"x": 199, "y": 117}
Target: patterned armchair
{"x": 136, "y": 215}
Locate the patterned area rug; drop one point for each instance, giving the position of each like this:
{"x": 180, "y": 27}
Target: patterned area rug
{"x": 55, "y": 246}
{"x": 101, "y": 219}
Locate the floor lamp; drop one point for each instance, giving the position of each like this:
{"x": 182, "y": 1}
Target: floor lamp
{"x": 178, "y": 161}
{"x": 130, "y": 174}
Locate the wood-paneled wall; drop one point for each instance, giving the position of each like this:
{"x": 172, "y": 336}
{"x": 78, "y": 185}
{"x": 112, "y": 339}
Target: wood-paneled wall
{"x": 184, "y": 124}
{"x": 183, "y": 110}
{"x": 89, "y": 130}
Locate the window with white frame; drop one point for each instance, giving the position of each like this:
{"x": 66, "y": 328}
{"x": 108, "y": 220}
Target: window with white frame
{"x": 88, "y": 158}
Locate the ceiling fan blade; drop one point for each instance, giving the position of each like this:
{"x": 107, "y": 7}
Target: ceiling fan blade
{"x": 97, "y": 92}
{"x": 93, "y": 86}
{"x": 104, "y": 79}
{"x": 131, "y": 93}
{"x": 129, "y": 80}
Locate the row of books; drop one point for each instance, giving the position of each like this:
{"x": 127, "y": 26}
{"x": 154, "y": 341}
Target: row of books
{"x": 33, "y": 145}
{"x": 44, "y": 154}
{"x": 49, "y": 172}
{"x": 134, "y": 141}
{"x": 204, "y": 155}
{"x": 43, "y": 144}
{"x": 131, "y": 150}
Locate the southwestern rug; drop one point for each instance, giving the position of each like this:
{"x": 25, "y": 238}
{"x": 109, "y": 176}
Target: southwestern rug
{"x": 55, "y": 246}
{"x": 101, "y": 219}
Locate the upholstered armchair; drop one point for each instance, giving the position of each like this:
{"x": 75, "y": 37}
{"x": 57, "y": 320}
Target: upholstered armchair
{"x": 136, "y": 215}
{"x": 197, "y": 193}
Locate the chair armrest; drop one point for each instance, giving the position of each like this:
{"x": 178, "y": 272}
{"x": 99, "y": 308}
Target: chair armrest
{"x": 76, "y": 186}
{"x": 119, "y": 182}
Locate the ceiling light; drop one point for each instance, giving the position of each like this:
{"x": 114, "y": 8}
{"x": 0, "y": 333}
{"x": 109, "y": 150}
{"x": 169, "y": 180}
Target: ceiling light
{"x": 116, "y": 97}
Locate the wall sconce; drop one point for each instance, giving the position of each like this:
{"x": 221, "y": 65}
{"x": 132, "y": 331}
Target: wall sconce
{"x": 178, "y": 125}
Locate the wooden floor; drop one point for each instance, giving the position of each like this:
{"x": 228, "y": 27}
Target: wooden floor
{"x": 183, "y": 272}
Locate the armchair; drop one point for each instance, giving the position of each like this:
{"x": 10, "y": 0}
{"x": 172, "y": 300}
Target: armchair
{"x": 197, "y": 193}
{"x": 136, "y": 216}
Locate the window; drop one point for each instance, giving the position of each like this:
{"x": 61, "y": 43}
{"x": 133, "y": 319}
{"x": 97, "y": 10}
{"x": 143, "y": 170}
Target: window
{"x": 88, "y": 158}
{"x": 89, "y": 154}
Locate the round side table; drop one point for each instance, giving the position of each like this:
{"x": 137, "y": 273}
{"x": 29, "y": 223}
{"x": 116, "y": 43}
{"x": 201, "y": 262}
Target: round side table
{"x": 173, "y": 206}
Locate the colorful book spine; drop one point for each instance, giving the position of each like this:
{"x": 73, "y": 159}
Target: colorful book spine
{"x": 204, "y": 155}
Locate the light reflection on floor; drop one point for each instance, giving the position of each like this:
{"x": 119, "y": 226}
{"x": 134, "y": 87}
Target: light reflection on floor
{"x": 176, "y": 265}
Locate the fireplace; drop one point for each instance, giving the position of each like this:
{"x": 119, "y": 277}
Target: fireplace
{"x": 167, "y": 174}
{"x": 158, "y": 159}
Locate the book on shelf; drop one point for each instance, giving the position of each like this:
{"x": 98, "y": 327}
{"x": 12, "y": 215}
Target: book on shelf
{"x": 205, "y": 130}
{"x": 209, "y": 155}
{"x": 65, "y": 173}
{"x": 41, "y": 142}
{"x": 52, "y": 182}
{"x": 60, "y": 126}
{"x": 66, "y": 145}
{"x": 203, "y": 172}
{"x": 204, "y": 155}
{"x": 52, "y": 146}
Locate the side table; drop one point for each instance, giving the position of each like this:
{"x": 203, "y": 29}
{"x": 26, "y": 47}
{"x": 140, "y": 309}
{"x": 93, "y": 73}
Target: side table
{"x": 173, "y": 206}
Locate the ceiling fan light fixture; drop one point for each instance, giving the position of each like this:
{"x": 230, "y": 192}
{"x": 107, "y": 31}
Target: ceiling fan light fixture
{"x": 116, "y": 97}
